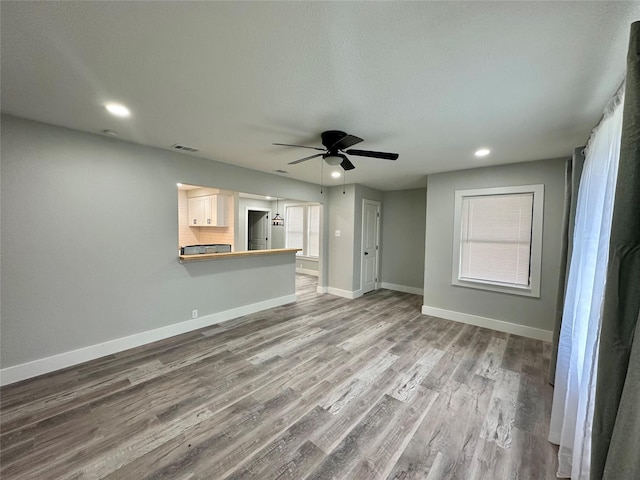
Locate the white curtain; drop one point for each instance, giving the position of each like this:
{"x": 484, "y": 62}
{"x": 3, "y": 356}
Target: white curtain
{"x": 574, "y": 394}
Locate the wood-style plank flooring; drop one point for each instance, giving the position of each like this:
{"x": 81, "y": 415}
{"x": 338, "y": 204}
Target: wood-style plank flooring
{"x": 326, "y": 388}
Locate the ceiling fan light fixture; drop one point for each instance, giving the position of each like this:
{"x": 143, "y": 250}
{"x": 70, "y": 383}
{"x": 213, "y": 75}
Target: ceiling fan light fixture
{"x": 333, "y": 160}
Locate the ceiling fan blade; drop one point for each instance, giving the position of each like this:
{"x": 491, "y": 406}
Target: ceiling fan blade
{"x": 347, "y": 165}
{"x": 306, "y": 158}
{"x": 345, "y": 142}
{"x": 368, "y": 153}
{"x": 301, "y": 146}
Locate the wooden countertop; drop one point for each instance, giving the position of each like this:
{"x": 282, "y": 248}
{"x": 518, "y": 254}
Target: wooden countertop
{"x": 247, "y": 253}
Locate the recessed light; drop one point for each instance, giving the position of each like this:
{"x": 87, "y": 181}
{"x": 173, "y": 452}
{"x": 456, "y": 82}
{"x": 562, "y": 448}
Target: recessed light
{"x": 268, "y": 197}
{"x": 117, "y": 109}
{"x": 482, "y": 152}
{"x": 335, "y": 174}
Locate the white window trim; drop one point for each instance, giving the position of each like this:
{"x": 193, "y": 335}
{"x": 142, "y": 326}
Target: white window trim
{"x": 533, "y": 290}
{"x": 308, "y": 259}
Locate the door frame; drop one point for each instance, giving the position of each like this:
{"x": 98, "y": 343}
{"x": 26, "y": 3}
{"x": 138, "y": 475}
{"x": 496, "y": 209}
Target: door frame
{"x": 378, "y": 206}
{"x": 246, "y": 225}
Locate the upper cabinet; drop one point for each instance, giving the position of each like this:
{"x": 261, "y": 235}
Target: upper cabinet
{"x": 219, "y": 205}
{"x": 209, "y": 211}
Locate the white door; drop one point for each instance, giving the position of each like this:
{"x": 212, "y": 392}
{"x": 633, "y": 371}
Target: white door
{"x": 370, "y": 235}
{"x": 258, "y": 230}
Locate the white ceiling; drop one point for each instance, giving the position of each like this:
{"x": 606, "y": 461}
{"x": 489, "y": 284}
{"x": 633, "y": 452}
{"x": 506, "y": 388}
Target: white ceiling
{"x": 432, "y": 81}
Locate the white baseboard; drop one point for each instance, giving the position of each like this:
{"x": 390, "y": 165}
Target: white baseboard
{"x": 344, "y": 293}
{"x": 67, "y": 359}
{"x": 402, "y": 288}
{"x": 306, "y": 271}
{"x": 501, "y": 326}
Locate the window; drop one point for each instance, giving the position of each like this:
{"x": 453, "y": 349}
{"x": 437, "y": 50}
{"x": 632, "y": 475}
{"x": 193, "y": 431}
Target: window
{"x": 498, "y": 239}
{"x": 302, "y": 229}
{"x": 313, "y": 243}
{"x": 294, "y": 225}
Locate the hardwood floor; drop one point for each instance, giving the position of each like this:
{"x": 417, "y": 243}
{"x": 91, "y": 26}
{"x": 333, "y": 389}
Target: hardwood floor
{"x": 323, "y": 388}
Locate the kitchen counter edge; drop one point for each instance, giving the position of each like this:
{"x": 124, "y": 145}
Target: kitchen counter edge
{"x": 247, "y": 253}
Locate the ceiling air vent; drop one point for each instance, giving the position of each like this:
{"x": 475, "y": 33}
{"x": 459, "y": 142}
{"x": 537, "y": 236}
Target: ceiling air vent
{"x": 281, "y": 171}
{"x": 184, "y": 148}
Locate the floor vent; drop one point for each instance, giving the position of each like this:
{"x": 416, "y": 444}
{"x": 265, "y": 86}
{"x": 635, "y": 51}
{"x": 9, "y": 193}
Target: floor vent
{"x": 184, "y": 148}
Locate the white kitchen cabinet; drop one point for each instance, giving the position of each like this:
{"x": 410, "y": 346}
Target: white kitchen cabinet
{"x": 198, "y": 214}
{"x": 219, "y": 206}
{"x": 208, "y": 211}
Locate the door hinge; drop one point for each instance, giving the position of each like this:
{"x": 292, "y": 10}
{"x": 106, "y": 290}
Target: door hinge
{"x": 376, "y": 247}
{"x": 378, "y": 214}
{"x": 376, "y": 280}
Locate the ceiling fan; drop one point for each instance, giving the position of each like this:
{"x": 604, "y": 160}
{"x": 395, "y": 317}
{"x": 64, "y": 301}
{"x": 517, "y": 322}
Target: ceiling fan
{"x": 336, "y": 143}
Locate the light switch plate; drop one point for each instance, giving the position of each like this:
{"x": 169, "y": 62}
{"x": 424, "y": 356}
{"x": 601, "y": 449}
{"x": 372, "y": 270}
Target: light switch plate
{"x": 337, "y": 233}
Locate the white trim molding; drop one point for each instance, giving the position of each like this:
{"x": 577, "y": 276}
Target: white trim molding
{"x": 492, "y": 323}
{"x": 344, "y": 293}
{"x": 402, "y": 288}
{"x": 67, "y": 359}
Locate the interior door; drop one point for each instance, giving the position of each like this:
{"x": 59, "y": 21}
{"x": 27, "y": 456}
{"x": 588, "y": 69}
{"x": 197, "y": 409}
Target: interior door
{"x": 370, "y": 235}
{"x": 258, "y": 230}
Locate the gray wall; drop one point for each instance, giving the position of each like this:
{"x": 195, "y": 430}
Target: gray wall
{"x": 341, "y": 249}
{"x": 403, "y": 231}
{"x": 438, "y": 291}
{"x": 90, "y": 234}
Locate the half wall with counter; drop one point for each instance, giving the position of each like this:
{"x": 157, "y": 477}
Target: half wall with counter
{"x": 232, "y": 284}
{"x": 229, "y": 255}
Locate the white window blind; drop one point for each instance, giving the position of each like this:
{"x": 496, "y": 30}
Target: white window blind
{"x": 495, "y": 240}
{"x": 302, "y": 229}
{"x": 294, "y": 225}
{"x": 313, "y": 231}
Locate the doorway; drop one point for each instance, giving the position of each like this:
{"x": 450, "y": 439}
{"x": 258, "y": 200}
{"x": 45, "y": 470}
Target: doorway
{"x": 370, "y": 245}
{"x": 257, "y": 230}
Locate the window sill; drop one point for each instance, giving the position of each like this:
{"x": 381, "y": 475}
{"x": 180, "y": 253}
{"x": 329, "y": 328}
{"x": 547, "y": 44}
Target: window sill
{"x": 531, "y": 291}
{"x": 310, "y": 259}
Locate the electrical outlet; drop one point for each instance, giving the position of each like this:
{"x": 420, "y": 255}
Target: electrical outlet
{"x": 194, "y": 313}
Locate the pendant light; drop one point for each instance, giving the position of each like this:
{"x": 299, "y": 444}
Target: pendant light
{"x": 278, "y": 221}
